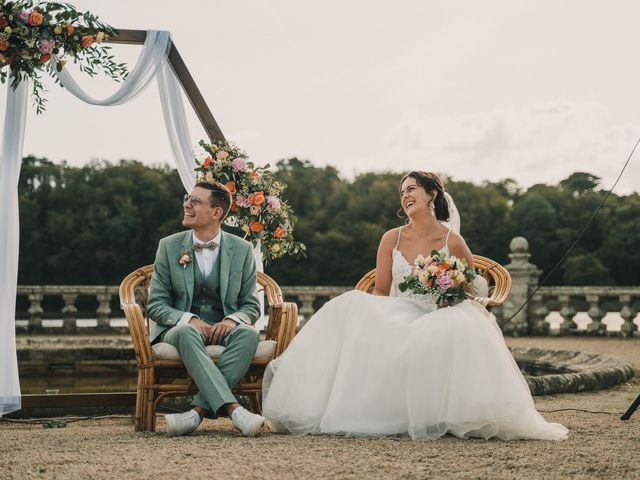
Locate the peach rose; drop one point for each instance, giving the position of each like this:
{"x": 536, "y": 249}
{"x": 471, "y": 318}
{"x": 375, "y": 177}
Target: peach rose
{"x": 70, "y": 28}
{"x": 87, "y": 41}
{"x": 257, "y": 198}
{"x": 231, "y": 186}
{"x": 207, "y": 162}
{"x": 280, "y": 231}
{"x": 35, "y": 18}
{"x": 4, "y": 44}
{"x": 256, "y": 227}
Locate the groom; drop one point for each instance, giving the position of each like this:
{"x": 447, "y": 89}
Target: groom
{"x": 203, "y": 293}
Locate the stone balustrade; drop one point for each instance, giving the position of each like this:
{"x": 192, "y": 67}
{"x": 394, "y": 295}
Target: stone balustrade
{"x": 551, "y": 311}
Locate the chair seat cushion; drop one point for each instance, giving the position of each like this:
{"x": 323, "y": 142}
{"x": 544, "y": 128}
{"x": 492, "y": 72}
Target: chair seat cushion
{"x": 166, "y": 351}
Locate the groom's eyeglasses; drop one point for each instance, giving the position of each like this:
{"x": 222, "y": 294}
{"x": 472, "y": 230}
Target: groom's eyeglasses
{"x": 192, "y": 199}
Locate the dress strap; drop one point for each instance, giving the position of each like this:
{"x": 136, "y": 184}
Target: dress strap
{"x": 398, "y": 239}
{"x": 446, "y": 242}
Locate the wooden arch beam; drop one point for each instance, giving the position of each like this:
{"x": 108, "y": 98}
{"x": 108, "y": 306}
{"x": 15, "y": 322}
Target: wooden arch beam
{"x": 137, "y": 37}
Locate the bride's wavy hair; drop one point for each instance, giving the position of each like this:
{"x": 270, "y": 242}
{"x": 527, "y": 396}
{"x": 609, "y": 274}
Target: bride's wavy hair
{"x": 430, "y": 182}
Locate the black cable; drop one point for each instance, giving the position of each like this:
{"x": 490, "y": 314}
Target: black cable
{"x": 575, "y": 242}
{"x": 578, "y": 410}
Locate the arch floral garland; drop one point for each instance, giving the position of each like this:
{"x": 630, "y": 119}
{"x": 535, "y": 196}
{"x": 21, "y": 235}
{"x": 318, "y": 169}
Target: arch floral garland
{"x": 257, "y": 207}
{"x": 31, "y": 32}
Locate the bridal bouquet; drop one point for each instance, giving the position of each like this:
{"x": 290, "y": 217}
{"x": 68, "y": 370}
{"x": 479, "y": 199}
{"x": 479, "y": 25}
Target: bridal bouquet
{"x": 32, "y": 32}
{"x": 257, "y": 207}
{"x": 438, "y": 279}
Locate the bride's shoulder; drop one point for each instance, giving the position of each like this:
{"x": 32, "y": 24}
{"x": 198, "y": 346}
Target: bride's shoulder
{"x": 390, "y": 237}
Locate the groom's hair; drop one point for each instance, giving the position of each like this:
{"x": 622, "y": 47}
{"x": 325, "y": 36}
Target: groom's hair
{"x": 220, "y": 195}
{"x": 430, "y": 182}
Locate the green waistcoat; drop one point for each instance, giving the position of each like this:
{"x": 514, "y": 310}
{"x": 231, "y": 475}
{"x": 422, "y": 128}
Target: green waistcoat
{"x": 207, "y": 302}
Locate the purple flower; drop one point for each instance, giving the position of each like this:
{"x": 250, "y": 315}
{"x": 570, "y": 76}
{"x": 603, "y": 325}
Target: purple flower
{"x": 239, "y": 165}
{"x": 274, "y": 203}
{"x": 444, "y": 281}
{"x": 24, "y": 16}
{"x": 46, "y": 46}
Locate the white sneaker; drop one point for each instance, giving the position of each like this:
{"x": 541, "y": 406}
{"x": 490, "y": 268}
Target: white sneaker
{"x": 182, "y": 423}
{"x": 245, "y": 421}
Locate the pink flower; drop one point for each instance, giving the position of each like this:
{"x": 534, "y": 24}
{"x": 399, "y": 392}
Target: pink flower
{"x": 243, "y": 201}
{"x": 239, "y": 165}
{"x": 24, "y": 16}
{"x": 46, "y": 46}
{"x": 274, "y": 203}
{"x": 444, "y": 281}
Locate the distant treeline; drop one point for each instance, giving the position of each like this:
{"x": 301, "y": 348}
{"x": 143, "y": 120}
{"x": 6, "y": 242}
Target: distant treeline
{"x": 97, "y": 223}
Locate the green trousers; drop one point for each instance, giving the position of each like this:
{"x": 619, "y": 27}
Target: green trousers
{"x": 214, "y": 381}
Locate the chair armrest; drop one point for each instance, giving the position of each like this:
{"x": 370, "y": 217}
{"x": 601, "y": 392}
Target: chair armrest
{"x": 486, "y": 302}
{"x": 139, "y": 333}
{"x": 281, "y": 326}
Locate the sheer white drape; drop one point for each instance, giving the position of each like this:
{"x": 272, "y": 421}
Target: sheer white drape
{"x": 152, "y": 63}
{"x": 10, "y": 162}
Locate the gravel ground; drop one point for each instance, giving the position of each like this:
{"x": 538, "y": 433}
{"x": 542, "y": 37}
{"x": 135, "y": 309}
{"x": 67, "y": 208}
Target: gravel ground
{"x": 600, "y": 446}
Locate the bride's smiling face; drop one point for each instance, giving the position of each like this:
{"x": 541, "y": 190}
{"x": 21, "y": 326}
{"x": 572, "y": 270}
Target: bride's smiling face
{"x": 413, "y": 198}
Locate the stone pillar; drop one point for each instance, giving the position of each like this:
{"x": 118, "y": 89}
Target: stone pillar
{"x": 524, "y": 277}
{"x": 306, "y": 309}
{"x": 104, "y": 310}
{"x": 35, "y": 310}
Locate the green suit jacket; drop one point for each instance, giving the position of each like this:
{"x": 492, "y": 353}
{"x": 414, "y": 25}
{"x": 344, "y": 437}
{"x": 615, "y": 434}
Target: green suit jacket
{"x": 171, "y": 290}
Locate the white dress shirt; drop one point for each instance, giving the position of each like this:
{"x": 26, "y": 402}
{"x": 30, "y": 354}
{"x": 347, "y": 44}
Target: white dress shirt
{"x": 206, "y": 258}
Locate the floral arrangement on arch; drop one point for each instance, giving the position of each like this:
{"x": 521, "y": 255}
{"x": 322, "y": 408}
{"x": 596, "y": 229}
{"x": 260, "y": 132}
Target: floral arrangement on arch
{"x": 32, "y": 32}
{"x": 257, "y": 208}
{"x": 438, "y": 278}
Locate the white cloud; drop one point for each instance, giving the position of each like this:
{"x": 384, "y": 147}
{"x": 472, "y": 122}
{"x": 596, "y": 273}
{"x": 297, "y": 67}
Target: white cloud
{"x": 540, "y": 143}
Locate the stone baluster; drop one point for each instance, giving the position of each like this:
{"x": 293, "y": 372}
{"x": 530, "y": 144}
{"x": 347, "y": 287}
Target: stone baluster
{"x": 69, "y": 312}
{"x": 306, "y": 309}
{"x": 35, "y": 309}
{"x": 596, "y": 314}
{"x": 567, "y": 312}
{"x": 538, "y": 311}
{"x": 628, "y": 314}
{"x": 524, "y": 277}
{"x": 104, "y": 310}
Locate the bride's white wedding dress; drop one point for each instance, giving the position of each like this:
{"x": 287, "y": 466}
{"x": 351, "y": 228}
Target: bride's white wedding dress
{"x": 373, "y": 365}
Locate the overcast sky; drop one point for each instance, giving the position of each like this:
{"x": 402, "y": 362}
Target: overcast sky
{"x": 476, "y": 89}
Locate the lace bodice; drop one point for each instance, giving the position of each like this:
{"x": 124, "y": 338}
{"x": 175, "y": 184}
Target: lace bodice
{"x": 400, "y": 266}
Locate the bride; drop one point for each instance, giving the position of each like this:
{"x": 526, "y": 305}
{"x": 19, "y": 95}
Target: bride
{"x": 381, "y": 364}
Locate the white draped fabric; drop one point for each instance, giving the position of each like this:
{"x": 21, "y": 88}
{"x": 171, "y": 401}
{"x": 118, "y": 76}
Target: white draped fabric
{"x": 153, "y": 62}
{"x": 10, "y": 162}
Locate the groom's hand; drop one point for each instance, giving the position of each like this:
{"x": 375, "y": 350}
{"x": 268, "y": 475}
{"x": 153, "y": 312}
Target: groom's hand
{"x": 220, "y": 330}
{"x": 203, "y": 327}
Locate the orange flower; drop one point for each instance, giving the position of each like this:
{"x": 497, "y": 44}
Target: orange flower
{"x": 207, "y": 162}
{"x": 4, "y": 44}
{"x": 256, "y": 227}
{"x": 254, "y": 175}
{"x": 231, "y": 186}
{"x": 234, "y": 206}
{"x": 257, "y": 198}
{"x": 35, "y": 18}
{"x": 70, "y": 28}
{"x": 87, "y": 41}
{"x": 44, "y": 58}
{"x": 280, "y": 231}
{"x": 443, "y": 267}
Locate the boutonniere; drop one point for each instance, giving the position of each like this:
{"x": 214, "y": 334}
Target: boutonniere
{"x": 185, "y": 258}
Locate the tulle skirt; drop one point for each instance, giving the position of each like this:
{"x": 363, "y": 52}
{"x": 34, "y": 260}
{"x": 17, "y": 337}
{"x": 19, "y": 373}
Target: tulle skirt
{"x": 370, "y": 365}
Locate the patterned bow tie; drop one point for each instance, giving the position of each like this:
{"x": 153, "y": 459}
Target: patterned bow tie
{"x": 201, "y": 246}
